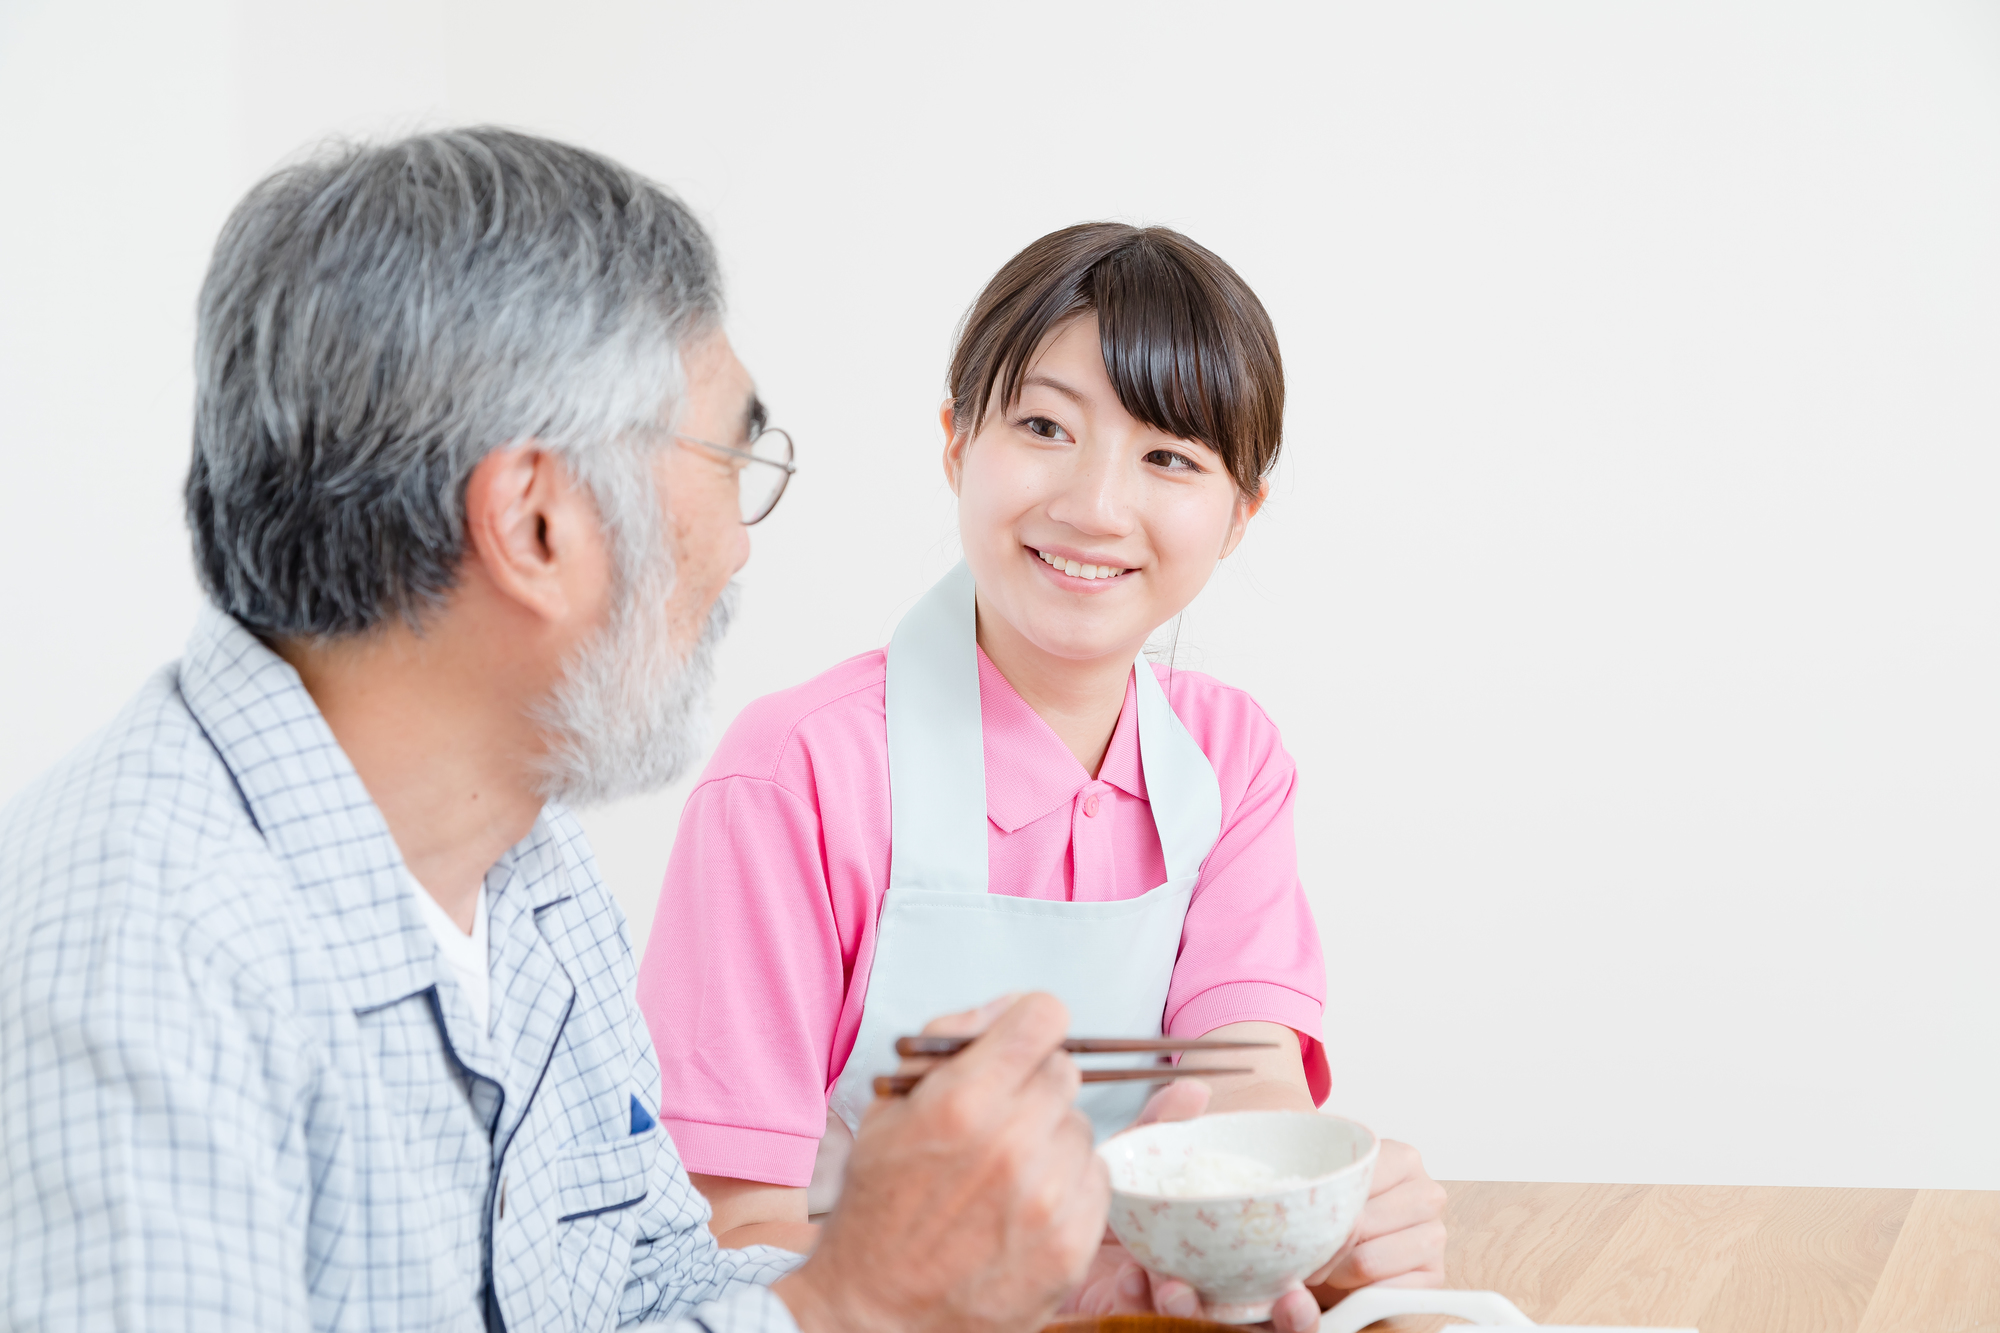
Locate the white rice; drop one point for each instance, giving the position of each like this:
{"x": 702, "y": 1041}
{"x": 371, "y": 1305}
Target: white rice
{"x": 1210, "y": 1172}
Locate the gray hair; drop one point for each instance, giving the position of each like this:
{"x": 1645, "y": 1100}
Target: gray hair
{"x": 377, "y": 320}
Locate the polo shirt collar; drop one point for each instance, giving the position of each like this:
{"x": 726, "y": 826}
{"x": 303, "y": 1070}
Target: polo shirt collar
{"x": 1029, "y": 771}
{"x": 1121, "y": 767}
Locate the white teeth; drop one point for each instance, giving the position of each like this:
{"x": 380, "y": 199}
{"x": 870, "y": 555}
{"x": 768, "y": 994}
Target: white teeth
{"x": 1080, "y": 571}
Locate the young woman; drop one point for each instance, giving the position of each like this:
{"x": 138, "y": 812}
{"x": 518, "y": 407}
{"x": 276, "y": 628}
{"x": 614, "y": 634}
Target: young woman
{"x": 1010, "y": 797}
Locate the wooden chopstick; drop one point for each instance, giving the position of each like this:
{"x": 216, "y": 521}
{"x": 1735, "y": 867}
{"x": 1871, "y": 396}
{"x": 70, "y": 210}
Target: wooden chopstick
{"x": 909, "y": 1046}
{"x": 897, "y": 1085}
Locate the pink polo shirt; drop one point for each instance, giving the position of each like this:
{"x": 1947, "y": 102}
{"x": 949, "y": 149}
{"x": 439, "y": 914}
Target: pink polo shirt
{"x": 755, "y": 976}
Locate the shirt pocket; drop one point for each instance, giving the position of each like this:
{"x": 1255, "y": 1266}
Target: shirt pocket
{"x": 605, "y": 1177}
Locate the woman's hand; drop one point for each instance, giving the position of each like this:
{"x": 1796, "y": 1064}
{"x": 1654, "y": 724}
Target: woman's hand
{"x": 1117, "y": 1284}
{"x": 1398, "y": 1239}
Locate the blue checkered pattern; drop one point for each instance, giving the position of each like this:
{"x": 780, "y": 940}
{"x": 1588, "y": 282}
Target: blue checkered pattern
{"x": 239, "y": 1088}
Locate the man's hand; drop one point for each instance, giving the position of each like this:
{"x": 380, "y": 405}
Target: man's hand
{"x": 1398, "y": 1239}
{"x": 975, "y": 1203}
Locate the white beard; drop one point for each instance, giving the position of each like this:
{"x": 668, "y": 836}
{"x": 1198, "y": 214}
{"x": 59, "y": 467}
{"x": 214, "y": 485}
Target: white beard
{"x": 628, "y": 716}
{"x": 630, "y": 713}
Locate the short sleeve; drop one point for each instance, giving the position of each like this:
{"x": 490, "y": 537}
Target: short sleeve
{"x": 743, "y": 982}
{"x": 1250, "y": 950}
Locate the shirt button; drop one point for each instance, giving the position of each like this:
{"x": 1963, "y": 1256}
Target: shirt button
{"x": 1090, "y": 805}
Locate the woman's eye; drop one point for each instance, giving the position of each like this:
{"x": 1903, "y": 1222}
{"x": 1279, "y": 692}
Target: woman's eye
{"x": 1172, "y": 461}
{"x": 1043, "y": 428}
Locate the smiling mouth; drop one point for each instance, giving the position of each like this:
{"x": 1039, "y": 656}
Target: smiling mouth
{"x": 1079, "y": 571}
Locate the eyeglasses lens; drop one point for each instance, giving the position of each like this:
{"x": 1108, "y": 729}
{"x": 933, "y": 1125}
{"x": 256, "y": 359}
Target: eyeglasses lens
{"x": 757, "y": 486}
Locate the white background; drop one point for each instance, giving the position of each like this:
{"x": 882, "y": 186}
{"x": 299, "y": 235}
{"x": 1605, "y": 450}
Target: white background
{"x": 1629, "y": 600}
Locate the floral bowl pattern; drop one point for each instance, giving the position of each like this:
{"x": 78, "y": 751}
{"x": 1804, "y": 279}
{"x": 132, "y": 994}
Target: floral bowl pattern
{"x": 1240, "y": 1251}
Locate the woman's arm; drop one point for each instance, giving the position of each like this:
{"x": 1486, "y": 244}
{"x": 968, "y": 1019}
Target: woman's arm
{"x": 750, "y": 1212}
{"x": 1278, "y": 1082}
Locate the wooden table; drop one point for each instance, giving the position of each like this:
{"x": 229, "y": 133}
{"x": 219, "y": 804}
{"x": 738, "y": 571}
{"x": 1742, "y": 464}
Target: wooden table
{"x": 1728, "y": 1259}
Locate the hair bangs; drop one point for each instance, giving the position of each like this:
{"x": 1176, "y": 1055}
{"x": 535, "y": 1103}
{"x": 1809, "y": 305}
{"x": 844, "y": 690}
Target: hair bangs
{"x": 1162, "y": 348}
{"x": 1187, "y": 345}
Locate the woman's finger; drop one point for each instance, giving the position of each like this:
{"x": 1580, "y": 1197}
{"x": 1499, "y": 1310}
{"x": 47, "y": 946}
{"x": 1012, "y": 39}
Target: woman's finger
{"x": 1297, "y": 1311}
{"x": 1087, "y": 1296}
{"x": 1175, "y": 1297}
{"x": 1182, "y": 1100}
{"x": 1134, "y": 1291}
{"x": 1331, "y": 1266}
{"x": 1415, "y": 1253}
{"x": 1395, "y": 1163}
{"x": 1415, "y": 1202}
{"x": 1410, "y": 1204}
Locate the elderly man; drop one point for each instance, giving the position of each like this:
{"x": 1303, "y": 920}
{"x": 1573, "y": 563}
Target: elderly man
{"x": 314, "y": 1011}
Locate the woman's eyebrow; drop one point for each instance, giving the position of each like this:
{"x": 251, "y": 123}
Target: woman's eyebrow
{"x": 754, "y": 417}
{"x": 1047, "y": 382}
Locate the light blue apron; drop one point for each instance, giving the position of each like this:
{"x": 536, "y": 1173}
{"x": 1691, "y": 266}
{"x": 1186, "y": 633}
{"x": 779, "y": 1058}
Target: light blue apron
{"x": 944, "y": 943}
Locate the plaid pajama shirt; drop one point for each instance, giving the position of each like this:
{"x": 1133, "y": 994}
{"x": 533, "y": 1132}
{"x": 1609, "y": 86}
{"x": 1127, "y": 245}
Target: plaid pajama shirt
{"x": 239, "y": 1088}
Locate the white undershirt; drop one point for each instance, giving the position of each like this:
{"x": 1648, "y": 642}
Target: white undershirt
{"x": 464, "y": 954}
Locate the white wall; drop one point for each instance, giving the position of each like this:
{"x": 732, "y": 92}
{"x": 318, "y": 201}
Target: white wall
{"x": 1630, "y": 597}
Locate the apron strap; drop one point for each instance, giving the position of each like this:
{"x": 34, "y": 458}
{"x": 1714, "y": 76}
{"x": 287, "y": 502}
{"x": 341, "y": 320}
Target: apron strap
{"x": 937, "y": 754}
{"x": 1180, "y": 782}
{"x": 937, "y": 748}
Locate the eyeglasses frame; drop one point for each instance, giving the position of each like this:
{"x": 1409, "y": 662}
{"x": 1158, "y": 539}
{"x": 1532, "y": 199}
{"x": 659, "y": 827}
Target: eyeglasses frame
{"x": 786, "y": 465}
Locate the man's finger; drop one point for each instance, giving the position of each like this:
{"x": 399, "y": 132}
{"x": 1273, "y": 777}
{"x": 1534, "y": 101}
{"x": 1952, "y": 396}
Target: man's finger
{"x": 1026, "y": 1031}
{"x": 1010, "y": 1053}
{"x": 970, "y": 1022}
{"x": 965, "y": 1023}
{"x": 1045, "y": 1105}
{"x": 1088, "y": 1196}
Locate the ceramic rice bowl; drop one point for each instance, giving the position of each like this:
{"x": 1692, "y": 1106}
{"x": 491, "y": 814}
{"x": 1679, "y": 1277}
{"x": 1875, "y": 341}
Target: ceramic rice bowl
{"x": 1241, "y": 1251}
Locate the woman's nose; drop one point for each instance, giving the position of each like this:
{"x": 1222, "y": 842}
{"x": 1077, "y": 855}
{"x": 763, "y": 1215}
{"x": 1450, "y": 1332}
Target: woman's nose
{"x": 1095, "y": 496}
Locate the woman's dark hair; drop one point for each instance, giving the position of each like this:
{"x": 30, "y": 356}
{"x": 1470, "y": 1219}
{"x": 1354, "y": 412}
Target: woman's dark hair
{"x": 1186, "y": 342}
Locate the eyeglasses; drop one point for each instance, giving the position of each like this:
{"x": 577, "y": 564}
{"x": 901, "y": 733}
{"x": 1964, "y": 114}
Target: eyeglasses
{"x": 757, "y": 488}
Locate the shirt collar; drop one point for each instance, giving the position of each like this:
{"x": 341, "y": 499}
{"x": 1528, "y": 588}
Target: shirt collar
{"x": 1029, "y": 771}
{"x": 1121, "y": 767}
{"x": 318, "y": 819}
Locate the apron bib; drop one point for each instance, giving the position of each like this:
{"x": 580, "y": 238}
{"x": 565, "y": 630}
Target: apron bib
{"x": 943, "y": 943}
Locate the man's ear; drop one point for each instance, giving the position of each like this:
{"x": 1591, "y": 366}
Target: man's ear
{"x": 521, "y": 524}
{"x": 954, "y": 448}
{"x": 1244, "y": 512}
